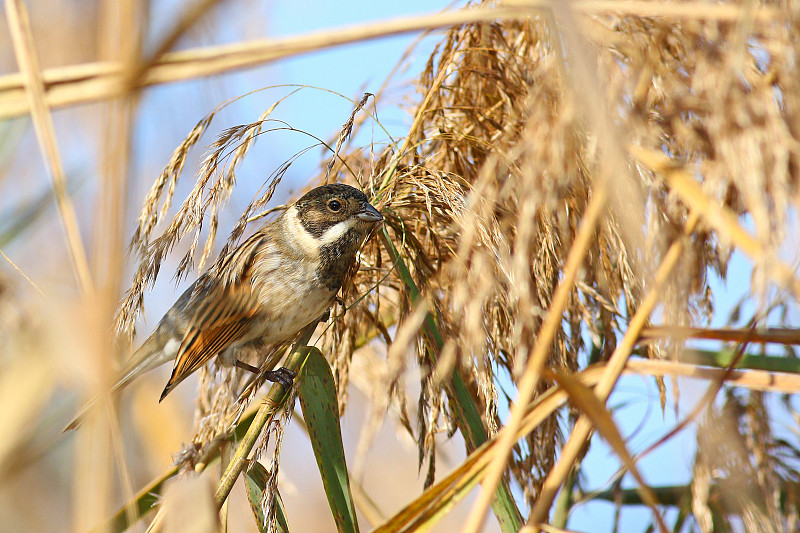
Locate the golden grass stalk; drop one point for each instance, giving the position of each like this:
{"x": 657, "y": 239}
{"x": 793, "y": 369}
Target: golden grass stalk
{"x": 101, "y": 80}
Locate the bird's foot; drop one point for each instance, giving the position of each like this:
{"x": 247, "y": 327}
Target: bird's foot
{"x": 283, "y": 375}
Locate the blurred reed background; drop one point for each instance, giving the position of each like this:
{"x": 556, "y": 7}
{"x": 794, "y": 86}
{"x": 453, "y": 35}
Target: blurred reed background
{"x": 571, "y": 191}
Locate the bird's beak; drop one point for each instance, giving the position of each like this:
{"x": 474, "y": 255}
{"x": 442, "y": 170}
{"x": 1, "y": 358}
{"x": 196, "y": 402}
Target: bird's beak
{"x": 369, "y": 214}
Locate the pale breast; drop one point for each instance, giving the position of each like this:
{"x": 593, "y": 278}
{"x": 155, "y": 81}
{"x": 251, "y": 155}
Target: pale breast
{"x": 290, "y": 293}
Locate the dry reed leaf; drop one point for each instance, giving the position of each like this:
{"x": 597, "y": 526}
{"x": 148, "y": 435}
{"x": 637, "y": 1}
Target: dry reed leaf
{"x": 102, "y": 79}
{"x": 594, "y": 408}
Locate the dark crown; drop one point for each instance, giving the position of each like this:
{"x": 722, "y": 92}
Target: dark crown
{"x": 323, "y": 192}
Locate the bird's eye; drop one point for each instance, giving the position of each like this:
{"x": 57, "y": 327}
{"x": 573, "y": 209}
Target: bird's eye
{"x": 335, "y": 205}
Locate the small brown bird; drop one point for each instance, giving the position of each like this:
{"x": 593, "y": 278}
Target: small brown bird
{"x": 266, "y": 290}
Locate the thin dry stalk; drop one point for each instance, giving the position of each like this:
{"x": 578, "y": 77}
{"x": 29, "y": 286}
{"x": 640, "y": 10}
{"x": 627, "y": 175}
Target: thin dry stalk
{"x": 760, "y": 380}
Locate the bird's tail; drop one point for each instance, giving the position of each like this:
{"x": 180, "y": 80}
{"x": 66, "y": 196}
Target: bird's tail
{"x": 149, "y": 356}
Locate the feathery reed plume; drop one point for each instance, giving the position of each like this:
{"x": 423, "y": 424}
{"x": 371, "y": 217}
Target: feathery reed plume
{"x": 743, "y": 469}
{"x": 485, "y": 195}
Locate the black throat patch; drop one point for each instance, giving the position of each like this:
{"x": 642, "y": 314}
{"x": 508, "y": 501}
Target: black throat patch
{"x": 336, "y": 259}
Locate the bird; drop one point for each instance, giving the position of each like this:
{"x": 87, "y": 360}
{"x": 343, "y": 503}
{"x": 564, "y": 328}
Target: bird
{"x": 262, "y": 292}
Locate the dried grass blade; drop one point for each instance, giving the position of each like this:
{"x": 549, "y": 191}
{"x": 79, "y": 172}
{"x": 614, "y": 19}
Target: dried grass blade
{"x": 449, "y": 490}
{"x": 588, "y": 403}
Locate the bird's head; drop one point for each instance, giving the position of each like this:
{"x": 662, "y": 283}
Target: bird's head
{"x": 329, "y": 223}
{"x": 329, "y": 212}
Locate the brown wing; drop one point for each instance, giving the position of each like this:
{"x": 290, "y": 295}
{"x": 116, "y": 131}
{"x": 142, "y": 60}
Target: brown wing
{"x": 222, "y": 317}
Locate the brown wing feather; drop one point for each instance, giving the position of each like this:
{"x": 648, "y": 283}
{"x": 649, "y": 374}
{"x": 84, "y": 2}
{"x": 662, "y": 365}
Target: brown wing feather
{"x": 219, "y": 321}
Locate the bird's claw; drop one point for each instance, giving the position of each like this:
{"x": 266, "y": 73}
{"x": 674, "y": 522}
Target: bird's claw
{"x": 283, "y": 375}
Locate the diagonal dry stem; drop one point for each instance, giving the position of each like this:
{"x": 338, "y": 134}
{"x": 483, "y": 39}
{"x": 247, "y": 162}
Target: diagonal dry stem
{"x": 277, "y": 394}
{"x": 584, "y": 399}
{"x": 473, "y": 469}
{"x": 616, "y": 364}
{"x": 612, "y": 172}
{"x": 527, "y": 384}
{"x": 22, "y": 38}
{"x": 23, "y": 274}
